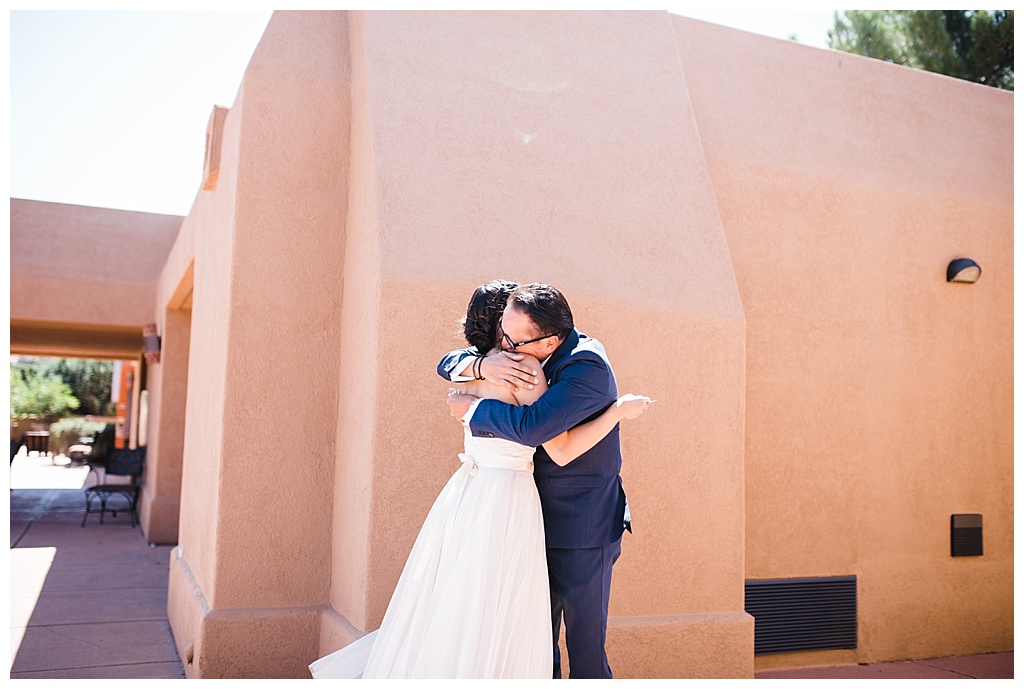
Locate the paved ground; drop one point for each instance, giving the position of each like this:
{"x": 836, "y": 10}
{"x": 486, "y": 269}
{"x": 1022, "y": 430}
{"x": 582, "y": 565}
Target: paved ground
{"x": 86, "y": 603}
{"x": 988, "y": 666}
{"x": 91, "y": 603}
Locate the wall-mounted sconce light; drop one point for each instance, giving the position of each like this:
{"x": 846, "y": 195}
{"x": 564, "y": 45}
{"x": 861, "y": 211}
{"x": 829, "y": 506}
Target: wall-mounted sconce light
{"x": 963, "y": 270}
{"x": 150, "y": 344}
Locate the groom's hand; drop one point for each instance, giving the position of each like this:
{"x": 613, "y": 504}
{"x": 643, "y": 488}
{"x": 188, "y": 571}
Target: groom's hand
{"x": 504, "y": 368}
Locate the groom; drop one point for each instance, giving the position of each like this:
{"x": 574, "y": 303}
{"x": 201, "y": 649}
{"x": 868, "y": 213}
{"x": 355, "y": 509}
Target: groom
{"x": 583, "y": 502}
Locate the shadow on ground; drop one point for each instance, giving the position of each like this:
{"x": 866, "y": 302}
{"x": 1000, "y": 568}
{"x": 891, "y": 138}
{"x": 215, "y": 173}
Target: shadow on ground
{"x": 86, "y": 603}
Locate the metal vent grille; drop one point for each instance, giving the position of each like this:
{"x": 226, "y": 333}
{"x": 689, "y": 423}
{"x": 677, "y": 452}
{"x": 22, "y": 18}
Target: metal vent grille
{"x": 965, "y": 535}
{"x": 803, "y": 614}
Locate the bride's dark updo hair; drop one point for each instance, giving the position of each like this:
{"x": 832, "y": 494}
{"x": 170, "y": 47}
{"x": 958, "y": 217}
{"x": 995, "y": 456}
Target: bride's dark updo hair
{"x": 483, "y": 314}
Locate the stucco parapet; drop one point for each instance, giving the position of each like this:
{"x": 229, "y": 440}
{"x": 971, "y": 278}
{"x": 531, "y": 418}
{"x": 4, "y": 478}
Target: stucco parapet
{"x": 100, "y": 243}
{"x": 842, "y": 116}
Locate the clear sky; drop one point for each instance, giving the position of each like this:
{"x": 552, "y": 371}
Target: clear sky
{"x": 110, "y": 108}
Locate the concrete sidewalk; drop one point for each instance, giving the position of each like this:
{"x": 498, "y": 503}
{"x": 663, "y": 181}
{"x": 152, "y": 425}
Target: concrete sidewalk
{"x": 86, "y": 603}
{"x": 91, "y": 603}
{"x": 987, "y": 666}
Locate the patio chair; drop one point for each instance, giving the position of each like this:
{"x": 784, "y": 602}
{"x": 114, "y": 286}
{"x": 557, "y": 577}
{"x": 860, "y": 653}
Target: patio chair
{"x": 120, "y": 463}
{"x": 102, "y": 446}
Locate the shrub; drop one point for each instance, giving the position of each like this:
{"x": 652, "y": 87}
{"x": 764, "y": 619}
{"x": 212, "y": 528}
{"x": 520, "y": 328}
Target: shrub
{"x": 66, "y": 433}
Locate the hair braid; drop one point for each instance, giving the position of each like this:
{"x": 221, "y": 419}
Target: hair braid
{"x": 480, "y": 326}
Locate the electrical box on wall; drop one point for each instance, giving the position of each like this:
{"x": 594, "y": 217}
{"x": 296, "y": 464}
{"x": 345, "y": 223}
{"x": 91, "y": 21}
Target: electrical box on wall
{"x": 965, "y": 535}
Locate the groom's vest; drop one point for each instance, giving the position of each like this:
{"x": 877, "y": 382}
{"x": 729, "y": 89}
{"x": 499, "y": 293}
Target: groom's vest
{"x": 583, "y": 501}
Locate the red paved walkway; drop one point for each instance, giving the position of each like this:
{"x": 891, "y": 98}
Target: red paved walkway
{"x": 86, "y": 603}
{"x": 988, "y": 666}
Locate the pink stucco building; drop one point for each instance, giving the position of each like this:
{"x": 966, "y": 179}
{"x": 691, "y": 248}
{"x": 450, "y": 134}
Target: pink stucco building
{"x": 758, "y": 231}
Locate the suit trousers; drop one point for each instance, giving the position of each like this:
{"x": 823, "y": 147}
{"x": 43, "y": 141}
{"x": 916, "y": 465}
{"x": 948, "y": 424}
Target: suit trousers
{"x": 581, "y": 580}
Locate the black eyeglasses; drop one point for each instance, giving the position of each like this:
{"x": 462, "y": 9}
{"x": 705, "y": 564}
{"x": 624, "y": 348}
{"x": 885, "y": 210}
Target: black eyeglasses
{"x": 516, "y": 345}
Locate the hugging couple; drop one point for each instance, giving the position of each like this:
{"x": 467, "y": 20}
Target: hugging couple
{"x": 525, "y": 533}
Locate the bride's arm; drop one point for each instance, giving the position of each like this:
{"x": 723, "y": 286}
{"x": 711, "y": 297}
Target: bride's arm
{"x": 569, "y": 445}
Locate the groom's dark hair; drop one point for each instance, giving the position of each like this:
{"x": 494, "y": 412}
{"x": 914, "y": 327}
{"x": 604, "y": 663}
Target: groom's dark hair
{"x": 546, "y": 307}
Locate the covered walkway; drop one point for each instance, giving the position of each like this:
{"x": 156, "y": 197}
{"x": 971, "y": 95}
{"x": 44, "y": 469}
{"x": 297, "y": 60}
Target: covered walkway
{"x": 86, "y": 603}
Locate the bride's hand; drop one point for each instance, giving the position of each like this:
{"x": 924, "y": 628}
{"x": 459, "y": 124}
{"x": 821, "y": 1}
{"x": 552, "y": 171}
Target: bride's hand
{"x": 632, "y": 406}
{"x": 459, "y": 403}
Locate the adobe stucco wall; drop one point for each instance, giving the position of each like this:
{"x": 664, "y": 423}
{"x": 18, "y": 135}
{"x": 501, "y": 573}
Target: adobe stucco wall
{"x": 526, "y": 145}
{"x": 879, "y": 398}
{"x": 453, "y": 144}
{"x": 160, "y": 501}
{"x": 253, "y": 562}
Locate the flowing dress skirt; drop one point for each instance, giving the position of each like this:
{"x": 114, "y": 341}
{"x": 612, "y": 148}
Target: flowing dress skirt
{"x": 473, "y": 599}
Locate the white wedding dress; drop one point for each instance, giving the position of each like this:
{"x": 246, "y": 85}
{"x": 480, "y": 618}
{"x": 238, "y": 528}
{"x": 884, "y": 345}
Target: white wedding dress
{"x": 473, "y": 599}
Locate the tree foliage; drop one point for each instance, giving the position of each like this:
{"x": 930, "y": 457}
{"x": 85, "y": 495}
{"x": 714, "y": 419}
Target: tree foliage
{"x": 53, "y": 387}
{"x": 42, "y": 396}
{"x": 90, "y": 381}
{"x": 976, "y": 45}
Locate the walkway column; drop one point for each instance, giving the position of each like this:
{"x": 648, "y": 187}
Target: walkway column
{"x": 167, "y": 382}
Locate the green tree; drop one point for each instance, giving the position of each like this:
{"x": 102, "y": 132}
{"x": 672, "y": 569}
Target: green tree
{"x": 976, "y": 45}
{"x": 90, "y": 382}
{"x": 39, "y": 395}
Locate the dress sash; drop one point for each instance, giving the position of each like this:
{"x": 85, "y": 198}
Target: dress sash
{"x": 495, "y": 463}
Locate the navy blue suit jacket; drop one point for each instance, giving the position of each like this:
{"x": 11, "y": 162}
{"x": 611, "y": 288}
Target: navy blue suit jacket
{"x": 583, "y": 502}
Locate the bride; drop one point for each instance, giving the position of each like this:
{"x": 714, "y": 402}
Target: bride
{"x": 473, "y": 598}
